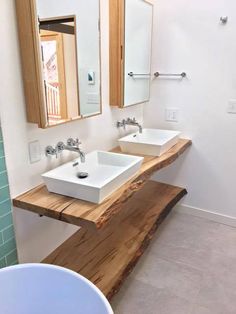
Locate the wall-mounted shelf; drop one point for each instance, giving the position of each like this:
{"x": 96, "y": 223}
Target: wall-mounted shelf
{"x": 108, "y": 256}
{"x": 89, "y": 215}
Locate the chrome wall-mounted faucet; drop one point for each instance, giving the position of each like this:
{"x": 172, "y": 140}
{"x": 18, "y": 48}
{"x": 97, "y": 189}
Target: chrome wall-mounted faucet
{"x": 129, "y": 121}
{"x": 72, "y": 145}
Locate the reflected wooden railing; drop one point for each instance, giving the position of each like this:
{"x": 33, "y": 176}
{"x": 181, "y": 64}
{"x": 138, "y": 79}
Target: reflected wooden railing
{"x": 53, "y": 101}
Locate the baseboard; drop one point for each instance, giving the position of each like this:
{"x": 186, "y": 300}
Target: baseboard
{"x": 198, "y": 212}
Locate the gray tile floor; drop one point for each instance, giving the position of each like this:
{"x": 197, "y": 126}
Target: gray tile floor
{"x": 190, "y": 268}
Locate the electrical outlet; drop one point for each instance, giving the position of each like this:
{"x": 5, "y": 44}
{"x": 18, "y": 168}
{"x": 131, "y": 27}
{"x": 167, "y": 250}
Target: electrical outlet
{"x": 172, "y": 114}
{"x": 231, "y": 106}
{"x": 34, "y": 152}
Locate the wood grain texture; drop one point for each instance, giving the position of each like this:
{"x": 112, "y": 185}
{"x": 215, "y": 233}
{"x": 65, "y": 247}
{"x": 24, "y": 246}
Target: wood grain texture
{"x": 31, "y": 61}
{"x": 51, "y": 205}
{"x": 96, "y": 216}
{"x": 107, "y": 256}
{"x": 116, "y": 52}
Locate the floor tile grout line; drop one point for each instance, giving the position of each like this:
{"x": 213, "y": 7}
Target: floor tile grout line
{"x": 170, "y": 260}
{"x": 165, "y": 289}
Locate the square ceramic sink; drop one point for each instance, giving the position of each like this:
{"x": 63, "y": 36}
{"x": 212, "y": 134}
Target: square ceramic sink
{"x": 153, "y": 142}
{"x": 106, "y": 173}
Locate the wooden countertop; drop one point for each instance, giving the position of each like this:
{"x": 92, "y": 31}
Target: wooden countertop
{"x": 90, "y": 215}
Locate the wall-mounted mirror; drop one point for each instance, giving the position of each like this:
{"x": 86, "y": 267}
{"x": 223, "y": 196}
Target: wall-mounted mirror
{"x": 60, "y": 68}
{"x": 130, "y": 51}
{"x": 60, "y": 49}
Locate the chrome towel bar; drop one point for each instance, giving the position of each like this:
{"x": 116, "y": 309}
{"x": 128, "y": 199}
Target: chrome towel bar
{"x": 158, "y": 74}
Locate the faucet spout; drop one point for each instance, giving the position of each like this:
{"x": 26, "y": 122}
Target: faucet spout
{"x": 72, "y": 146}
{"x": 130, "y": 121}
{"x": 76, "y": 149}
{"x": 82, "y": 156}
{"x": 140, "y": 129}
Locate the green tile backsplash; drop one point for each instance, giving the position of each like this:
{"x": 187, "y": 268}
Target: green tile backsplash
{"x": 4, "y": 193}
{"x": 5, "y": 208}
{"x": 3, "y": 179}
{"x": 1, "y": 149}
{"x": 8, "y": 253}
{"x": 2, "y": 164}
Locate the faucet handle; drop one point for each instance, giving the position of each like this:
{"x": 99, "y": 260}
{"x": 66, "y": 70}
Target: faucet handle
{"x": 77, "y": 141}
{"x": 120, "y": 124}
{"x": 60, "y": 147}
{"x": 72, "y": 142}
{"x": 51, "y": 151}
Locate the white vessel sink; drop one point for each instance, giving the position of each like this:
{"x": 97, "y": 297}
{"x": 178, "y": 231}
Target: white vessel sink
{"x": 106, "y": 173}
{"x": 153, "y": 142}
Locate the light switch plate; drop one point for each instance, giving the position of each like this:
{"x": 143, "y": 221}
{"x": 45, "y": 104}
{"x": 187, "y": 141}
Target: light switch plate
{"x": 231, "y": 106}
{"x": 91, "y": 77}
{"x": 34, "y": 151}
{"x": 172, "y": 114}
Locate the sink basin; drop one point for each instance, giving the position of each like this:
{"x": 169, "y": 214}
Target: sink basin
{"x": 106, "y": 173}
{"x": 153, "y": 142}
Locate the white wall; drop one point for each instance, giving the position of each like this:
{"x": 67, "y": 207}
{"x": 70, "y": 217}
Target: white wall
{"x": 71, "y": 75}
{"x": 189, "y": 37}
{"x": 37, "y": 237}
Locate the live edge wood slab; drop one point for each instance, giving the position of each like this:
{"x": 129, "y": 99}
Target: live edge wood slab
{"x": 107, "y": 256}
{"x": 115, "y": 233}
{"x": 96, "y": 216}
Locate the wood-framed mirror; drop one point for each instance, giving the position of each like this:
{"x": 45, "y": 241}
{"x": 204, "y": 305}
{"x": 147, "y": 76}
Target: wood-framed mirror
{"x": 131, "y": 23}
{"x": 60, "y": 53}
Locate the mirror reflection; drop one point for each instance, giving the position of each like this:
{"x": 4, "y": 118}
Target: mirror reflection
{"x": 58, "y": 46}
{"x": 138, "y": 45}
{"x": 70, "y": 44}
